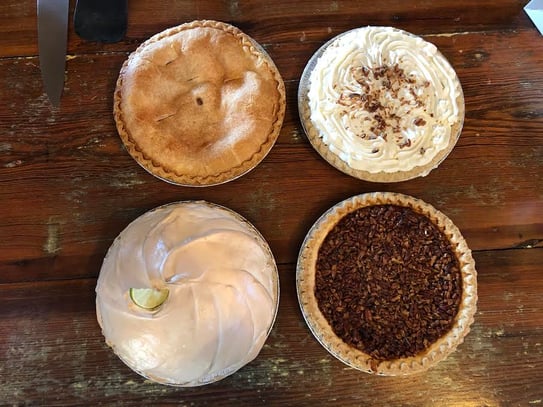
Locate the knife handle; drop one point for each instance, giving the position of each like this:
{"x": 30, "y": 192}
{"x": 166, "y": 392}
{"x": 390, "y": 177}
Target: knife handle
{"x": 101, "y": 20}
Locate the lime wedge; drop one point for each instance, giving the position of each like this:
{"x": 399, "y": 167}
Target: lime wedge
{"x": 148, "y": 298}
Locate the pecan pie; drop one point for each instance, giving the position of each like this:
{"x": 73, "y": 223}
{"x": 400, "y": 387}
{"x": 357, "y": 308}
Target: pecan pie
{"x": 381, "y": 104}
{"x": 199, "y": 104}
{"x": 387, "y": 283}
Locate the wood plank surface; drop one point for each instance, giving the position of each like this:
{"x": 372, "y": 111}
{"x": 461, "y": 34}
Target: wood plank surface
{"x": 273, "y": 22}
{"x": 50, "y": 328}
{"x": 68, "y": 187}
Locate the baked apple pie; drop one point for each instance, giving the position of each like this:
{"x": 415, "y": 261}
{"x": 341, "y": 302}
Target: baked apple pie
{"x": 199, "y": 104}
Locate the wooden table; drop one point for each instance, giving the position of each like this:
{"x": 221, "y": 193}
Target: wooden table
{"x": 67, "y": 188}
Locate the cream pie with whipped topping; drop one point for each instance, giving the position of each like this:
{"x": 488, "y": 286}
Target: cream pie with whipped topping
{"x": 199, "y": 104}
{"x": 221, "y": 286}
{"x": 381, "y": 104}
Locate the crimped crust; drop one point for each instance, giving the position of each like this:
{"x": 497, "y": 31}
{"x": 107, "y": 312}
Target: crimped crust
{"x": 203, "y": 114}
{"x": 315, "y": 137}
{"x": 321, "y": 329}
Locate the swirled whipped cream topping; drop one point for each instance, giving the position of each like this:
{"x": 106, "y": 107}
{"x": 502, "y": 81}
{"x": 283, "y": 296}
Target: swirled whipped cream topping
{"x": 223, "y": 294}
{"x": 384, "y": 100}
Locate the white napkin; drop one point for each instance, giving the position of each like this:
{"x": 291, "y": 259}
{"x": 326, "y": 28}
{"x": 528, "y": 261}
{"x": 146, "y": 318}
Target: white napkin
{"x": 534, "y": 9}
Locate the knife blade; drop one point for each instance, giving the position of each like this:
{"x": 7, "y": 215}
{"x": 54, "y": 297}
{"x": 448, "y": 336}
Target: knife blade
{"x": 52, "y": 42}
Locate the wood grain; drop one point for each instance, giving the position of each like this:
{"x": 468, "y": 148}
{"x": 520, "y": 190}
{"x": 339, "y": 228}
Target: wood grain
{"x": 50, "y": 327}
{"x": 98, "y": 188}
{"x": 278, "y": 22}
{"x": 68, "y": 187}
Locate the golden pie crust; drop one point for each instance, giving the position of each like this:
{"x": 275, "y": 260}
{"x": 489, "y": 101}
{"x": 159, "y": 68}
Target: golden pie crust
{"x": 199, "y": 104}
{"x": 321, "y": 329}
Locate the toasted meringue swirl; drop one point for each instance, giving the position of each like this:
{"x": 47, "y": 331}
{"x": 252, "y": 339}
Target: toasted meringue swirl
{"x": 222, "y": 301}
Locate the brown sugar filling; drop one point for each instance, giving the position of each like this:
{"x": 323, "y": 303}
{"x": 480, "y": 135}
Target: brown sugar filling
{"x": 388, "y": 282}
